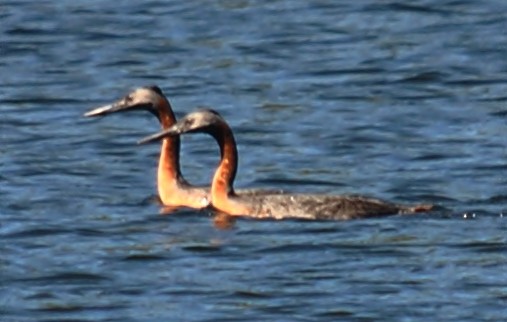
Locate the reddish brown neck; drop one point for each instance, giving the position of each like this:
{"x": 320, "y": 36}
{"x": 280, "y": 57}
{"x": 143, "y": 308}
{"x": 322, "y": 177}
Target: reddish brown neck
{"x": 173, "y": 190}
{"x": 222, "y": 190}
{"x": 223, "y": 180}
{"x": 169, "y": 162}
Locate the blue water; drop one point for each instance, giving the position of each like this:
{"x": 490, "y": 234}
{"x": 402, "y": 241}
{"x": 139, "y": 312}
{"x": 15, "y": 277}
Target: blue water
{"x": 404, "y": 101}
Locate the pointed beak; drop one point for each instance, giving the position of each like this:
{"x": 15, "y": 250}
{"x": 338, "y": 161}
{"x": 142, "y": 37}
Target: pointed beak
{"x": 104, "y": 110}
{"x": 172, "y": 131}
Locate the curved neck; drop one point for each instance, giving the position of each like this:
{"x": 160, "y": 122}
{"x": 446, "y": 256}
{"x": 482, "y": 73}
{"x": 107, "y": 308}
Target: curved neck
{"x": 223, "y": 180}
{"x": 173, "y": 189}
{"x": 169, "y": 163}
{"x": 222, "y": 191}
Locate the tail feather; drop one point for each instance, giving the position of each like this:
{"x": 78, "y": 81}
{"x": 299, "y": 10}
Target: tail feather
{"x": 417, "y": 209}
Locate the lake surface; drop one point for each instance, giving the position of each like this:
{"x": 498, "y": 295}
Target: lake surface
{"x": 400, "y": 100}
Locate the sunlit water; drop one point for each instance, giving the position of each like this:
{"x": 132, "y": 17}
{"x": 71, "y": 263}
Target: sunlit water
{"x": 404, "y": 101}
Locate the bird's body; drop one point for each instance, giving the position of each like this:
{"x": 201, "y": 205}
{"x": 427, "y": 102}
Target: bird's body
{"x": 276, "y": 206}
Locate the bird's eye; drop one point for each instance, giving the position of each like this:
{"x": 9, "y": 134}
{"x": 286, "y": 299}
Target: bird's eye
{"x": 189, "y": 122}
{"x": 128, "y": 99}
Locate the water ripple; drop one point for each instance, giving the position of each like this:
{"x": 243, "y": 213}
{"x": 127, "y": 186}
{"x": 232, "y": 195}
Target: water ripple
{"x": 400, "y": 101}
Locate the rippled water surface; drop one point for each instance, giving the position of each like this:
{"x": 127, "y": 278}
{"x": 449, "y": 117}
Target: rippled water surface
{"x": 404, "y": 101}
